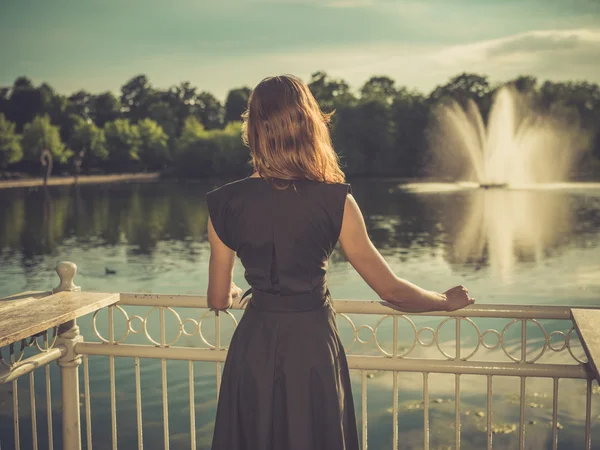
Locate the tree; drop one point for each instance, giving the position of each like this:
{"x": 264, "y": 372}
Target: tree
{"x": 410, "y": 115}
{"x": 104, "y": 108}
{"x": 40, "y": 134}
{"x": 23, "y": 83}
{"x": 379, "y": 88}
{"x": 135, "y": 96}
{"x": 79, "y": 104}
{"x": 525, "y": 84}
{"x": 165, "y": 115}
{"x": 236, "y": 103}
{"x": 26, "y": 102}
{"x": 233, "y": 156}
{"x": 464, "y": 87}
{"x": 330, "y": 93}
{"x": 194, "y": 151}
{"x": 87, "y": 137}
{"x": 10, "y": 143}
{"x": 209, "y": 110}
{"x": 4, "y": 100}
{"x": 154, "y": 144}
{"x": 123, "y": 143}
{"x": 346, "y": 136}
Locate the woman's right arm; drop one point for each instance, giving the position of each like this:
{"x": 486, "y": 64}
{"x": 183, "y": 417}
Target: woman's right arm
{"x": 371, "y": 266}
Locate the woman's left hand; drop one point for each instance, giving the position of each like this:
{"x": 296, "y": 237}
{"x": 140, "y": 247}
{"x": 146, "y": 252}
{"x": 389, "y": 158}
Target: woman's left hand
{"x": 235, "y": 291}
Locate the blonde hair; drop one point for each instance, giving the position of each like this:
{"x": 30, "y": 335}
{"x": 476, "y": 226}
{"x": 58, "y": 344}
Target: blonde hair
{"x": 288, "y": 134}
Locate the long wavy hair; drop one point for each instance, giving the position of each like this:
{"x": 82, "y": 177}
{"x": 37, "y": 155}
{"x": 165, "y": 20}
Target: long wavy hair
{"x": 288, "y": 134}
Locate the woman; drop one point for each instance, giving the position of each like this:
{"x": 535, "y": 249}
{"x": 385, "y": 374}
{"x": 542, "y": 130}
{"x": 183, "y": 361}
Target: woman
{"x": 285, "y": 383}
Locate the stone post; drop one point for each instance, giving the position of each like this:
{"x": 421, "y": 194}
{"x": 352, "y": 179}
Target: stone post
{"x": 68, "y": 337}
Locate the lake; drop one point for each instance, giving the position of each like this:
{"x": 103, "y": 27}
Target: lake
{"x": 537, "y": 245}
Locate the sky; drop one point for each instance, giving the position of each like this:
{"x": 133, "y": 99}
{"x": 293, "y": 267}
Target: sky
{"x": 98, "y": 45}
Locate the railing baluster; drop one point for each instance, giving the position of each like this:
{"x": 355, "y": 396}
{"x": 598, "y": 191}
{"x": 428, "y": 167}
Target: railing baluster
{"x": 588, "y": 415}
{"x": 165, "y": 402}
{"x": 33, "y": 411}
{"x": 426, "y": 410}
{"x": 113, "y": 400}
{"x": 163, "y": 369}
{"x": 88, "y": 401}
{"x": 111, "y": 368}
{"x": 218, "y": 347}
{"x": 395, "y": 385}
{"x": 192, "y": 406}
{"x": 522, "y": 404}
{"x": 523, "y": 340}
{"x": 555, "y": 414}
{"x": 457, "y": 411}
{"x": 138, "y": 404}
{"x": 16, "y": 414}
{"x": 457, "y": 390}
{"x": 522, "y": 416}
{"x": 15, "y": 386}
{"x": 489, "y": 412}
{"x": 363, "y": 391}
{"x": 49, "y": 407}
{"x": 395, "y": 411}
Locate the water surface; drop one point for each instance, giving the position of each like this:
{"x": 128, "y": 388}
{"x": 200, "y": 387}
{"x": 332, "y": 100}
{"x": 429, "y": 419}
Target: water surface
{"x": 518, "y": 246}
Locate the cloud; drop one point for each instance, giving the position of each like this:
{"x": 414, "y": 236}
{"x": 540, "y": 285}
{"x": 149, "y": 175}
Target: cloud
{"x": 532, "y": 44}
{"x": 555, "y": 55}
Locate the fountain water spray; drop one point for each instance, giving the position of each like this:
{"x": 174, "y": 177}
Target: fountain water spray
{"x": 519, "y": 146}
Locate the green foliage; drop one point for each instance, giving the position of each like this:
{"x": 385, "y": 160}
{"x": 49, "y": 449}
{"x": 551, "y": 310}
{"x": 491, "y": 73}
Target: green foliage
{"x": 10, "y": 143}
{"x": 330, "y": 93}
{"x": 379, "y": 130}
{"x": 409, "y": 114}
{"x": 233, "y": 156}
{"x": 123, "y": 143}
{"x": 236, "y": 104}
{"x": 194, "y": 152}
{"x": 104, "y": 108}
{"x": 201, "y": 152}
{"x": 165, "y": 115}
{"x": 26, "y": 102}
{"x": 87, "y": 137}
{"x": 209, "y": 110}
{"x": 135, "y": 96}
{"x": 379, "y": 88}
{"x": 40, "y": 134}
{"x": 154, "y": 145}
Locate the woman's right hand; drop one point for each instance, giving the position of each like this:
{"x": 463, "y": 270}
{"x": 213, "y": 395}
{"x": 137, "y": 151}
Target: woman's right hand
{"x": 458, "y": 298}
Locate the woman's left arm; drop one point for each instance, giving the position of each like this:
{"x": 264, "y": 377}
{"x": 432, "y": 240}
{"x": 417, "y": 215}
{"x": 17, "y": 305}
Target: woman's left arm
{"x": 221, "y": 289}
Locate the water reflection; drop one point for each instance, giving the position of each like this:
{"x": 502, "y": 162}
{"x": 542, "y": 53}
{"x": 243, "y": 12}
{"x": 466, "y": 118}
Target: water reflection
{"x": 35, "y": 221}
{"x": 470, "y": 228}
{"x": 504, "y": 227}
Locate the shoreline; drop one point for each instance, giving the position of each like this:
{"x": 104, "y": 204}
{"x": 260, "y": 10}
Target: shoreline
{"x": 83, "y": 179}
{"x": 159, "y": 176}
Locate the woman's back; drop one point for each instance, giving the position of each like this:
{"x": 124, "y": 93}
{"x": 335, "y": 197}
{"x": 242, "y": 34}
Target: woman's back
{"x": 283, "y": 237}
{"x": 286, "y": 382}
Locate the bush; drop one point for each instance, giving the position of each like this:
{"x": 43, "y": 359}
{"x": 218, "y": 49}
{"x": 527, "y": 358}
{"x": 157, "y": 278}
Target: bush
{"x": 86, "y": 136}
{"x": 10, "y": 143}
{"x": 154, "y": 145}
{"x": 123, "y": 143}
{"x": 201, "y": 153}
{"x": 40, "y": 134}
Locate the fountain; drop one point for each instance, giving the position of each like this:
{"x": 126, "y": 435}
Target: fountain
{"x": 519, "y": 161}
{"x": 519, "y": 146}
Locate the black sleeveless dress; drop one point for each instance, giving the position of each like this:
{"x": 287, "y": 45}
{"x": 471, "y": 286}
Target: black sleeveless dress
{"x": 285, "y": 383}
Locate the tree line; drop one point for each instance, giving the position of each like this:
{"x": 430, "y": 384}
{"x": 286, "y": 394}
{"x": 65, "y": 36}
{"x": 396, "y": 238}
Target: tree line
{"x": 383, "y": 129}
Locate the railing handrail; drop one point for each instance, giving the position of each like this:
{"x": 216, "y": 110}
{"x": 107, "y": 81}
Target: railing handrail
{"x": 368, "y": 307}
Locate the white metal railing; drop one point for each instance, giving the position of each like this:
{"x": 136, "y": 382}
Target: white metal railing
{"x": 524, "y": 341}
